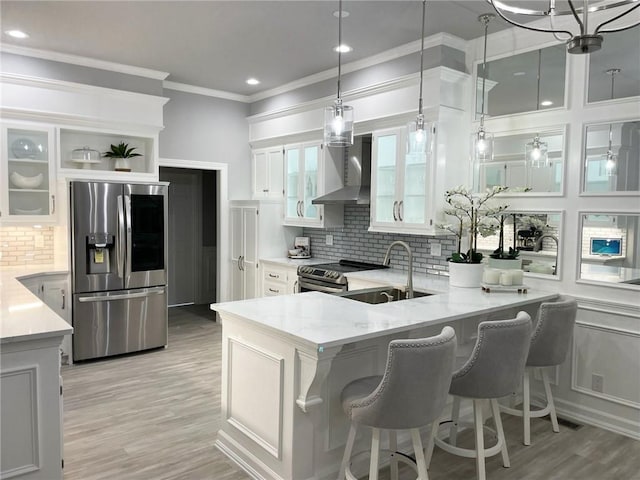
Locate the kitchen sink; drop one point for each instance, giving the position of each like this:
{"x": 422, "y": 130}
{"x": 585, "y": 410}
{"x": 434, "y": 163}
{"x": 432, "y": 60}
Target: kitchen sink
{"x": 380, "y": 295}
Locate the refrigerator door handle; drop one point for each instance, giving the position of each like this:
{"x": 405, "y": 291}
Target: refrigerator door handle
{"x": 121, "y": 237}
{"x": 127, "y": 219}
{"x": 124, "y": 296}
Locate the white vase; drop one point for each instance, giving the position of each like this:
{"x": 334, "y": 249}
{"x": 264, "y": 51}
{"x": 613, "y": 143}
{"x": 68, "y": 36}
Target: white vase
{"x": 122, "y": 165}
{"x": 465, "y": 274}
{"x": 506, "y": 263}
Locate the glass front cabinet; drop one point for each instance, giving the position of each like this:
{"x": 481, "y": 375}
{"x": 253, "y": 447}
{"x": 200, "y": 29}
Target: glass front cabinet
{"x": 400, "y": 183}
{"x": 28, "y": 167}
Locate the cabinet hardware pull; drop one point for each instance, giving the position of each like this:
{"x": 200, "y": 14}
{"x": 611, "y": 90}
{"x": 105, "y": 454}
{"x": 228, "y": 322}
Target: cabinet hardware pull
{"x": 401, "y": 210}
{"x": 295, "y": 287}
{"x": 395, "y": 206}
{"x": 274, "y": 276}
{"x": 265, "y": 190}
{"x": 63, "y": 298}
{"x": 53, "y": 204}
{"x": 274, "y": 291}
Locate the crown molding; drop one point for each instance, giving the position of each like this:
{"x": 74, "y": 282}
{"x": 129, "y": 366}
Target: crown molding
{"x": 63, "y": 85}
{"x": 207, "y": 92}
{"x": 83, "y": 61}
{"x": 439, "y": 39}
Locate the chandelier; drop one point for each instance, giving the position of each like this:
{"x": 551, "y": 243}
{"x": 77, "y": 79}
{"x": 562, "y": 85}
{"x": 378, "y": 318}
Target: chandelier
{"x": 583, "y": 37}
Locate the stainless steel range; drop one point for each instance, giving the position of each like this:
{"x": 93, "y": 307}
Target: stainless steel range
{"x": 329, "y": 277}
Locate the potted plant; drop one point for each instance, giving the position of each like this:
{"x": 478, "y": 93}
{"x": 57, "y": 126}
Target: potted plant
{"x": 505, "y": 259}
{"x": 121, "y": 153}
{"x": 475, "y": 215}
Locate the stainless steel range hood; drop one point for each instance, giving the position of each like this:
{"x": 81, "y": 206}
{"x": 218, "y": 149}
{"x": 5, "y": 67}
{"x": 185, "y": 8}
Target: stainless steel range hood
{"x": 357, "y": 190}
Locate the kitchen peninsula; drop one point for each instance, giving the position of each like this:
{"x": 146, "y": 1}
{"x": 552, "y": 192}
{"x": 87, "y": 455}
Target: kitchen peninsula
{"x": 286, "y": 359}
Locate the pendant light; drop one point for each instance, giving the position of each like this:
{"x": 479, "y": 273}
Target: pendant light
{"x": 611, "y": 160}
{"x": 535, "y": 152}
{"x": 416, "y": 134}
{"x": 482, "y": 141}
{"x": 338, "y": 118}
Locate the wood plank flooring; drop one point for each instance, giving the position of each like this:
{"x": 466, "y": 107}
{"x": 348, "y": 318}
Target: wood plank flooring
{"x": 154, "y": 416}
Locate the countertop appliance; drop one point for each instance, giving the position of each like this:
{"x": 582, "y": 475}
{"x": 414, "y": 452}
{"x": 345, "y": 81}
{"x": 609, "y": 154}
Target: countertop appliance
{"x": 329, "y": 277}
{"x": 119, "y": 275}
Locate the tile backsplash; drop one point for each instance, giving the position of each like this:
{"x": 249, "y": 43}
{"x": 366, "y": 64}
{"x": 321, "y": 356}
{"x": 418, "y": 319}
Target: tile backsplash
{"x": 26, "y": 246}
{"x": 355, "y": 242}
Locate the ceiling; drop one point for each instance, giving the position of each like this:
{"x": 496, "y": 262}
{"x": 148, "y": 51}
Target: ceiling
{"x": 219, "y": 44}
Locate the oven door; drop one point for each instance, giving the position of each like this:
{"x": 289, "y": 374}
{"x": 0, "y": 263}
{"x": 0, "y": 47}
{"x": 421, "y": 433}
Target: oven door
{"x": 311, "y": 285}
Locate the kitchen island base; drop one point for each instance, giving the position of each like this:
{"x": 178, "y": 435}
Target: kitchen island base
{"x": 280, "y": 402}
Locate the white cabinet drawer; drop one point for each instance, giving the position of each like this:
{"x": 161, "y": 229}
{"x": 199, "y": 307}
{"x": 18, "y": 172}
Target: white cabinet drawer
{"x": 274, "y": 288}
{"x": 275, "y": 274}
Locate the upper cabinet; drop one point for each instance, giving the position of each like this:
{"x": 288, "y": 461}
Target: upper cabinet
{"x": 267, "y": 172}
{"x": 400, "y": 183}
{"x": 311, "y": 170}
{"x": 28, "y": 170}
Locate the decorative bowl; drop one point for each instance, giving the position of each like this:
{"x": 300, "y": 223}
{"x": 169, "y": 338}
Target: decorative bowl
{"x": 25, "y": 148}
{"x": 21, "y": 181}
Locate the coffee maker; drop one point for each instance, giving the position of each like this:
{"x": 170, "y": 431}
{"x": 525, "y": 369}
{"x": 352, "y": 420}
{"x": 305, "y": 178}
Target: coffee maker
{"x": 527, "y": 238}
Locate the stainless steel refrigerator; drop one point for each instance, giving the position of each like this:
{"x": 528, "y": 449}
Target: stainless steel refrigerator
{"x": 119, "y": 275}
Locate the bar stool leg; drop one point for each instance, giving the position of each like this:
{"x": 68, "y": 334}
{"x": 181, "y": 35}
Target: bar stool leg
{"x": 455, "y": 413}
{"x": 346, "y": 459}
{"x": 431, "y": 442}
{"x": 550, "y": 404}
{"x": 501, "y": 438}
{"x": 526, "y": 408}
{"x": 393, "y": 446}
{"x": 478, "y": 425}
{"x": 417, "y": 449}
{"x": 375, "y": 454}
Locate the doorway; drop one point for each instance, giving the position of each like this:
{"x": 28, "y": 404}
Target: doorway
{"x": 192, "y": 235}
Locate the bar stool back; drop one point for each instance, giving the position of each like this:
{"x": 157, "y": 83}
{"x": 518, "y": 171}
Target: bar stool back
{"x": 550, "y": 343}
{"x": 411, "y": 394}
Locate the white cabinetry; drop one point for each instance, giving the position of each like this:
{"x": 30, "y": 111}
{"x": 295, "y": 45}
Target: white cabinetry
{"x": 312, "y": 170}
{"x": 256, "y": 229}
{"x": 267, "y": 172}
{"x": 278, "y": 279}
{"x": 407, "y": 189}
{"x": 28, "y": 172}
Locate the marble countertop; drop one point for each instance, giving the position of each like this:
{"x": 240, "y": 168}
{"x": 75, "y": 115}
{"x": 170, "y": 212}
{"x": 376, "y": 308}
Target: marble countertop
{"x": 322, "y": 320}
{"x": 23, "y": 316}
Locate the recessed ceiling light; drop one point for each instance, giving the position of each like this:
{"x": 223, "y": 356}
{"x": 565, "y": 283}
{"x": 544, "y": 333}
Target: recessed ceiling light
{"x": 343, "y": 49}
{"x": 519, "y": 74}
{"x": 345, "y": 14}
{"x": 16, "y": 34}
{"x": 253, "y": 81}
{"x": 546, "y": 103}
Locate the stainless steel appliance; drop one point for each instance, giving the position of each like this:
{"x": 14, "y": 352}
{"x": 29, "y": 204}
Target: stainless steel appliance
{"x": 329, "y": 277}
{"x": 119, "y": 276}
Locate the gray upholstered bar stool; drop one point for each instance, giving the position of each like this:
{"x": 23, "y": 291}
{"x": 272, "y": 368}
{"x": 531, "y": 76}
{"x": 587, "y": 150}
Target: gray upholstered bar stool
{"x": 492, "y": 371}
{"x": 411, "y": 394}
{"x": 550, "y": 342}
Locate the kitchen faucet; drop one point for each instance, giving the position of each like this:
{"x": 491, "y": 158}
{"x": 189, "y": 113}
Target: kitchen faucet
{"x": 538, "y": 246}
{"x": 387, "y": 260}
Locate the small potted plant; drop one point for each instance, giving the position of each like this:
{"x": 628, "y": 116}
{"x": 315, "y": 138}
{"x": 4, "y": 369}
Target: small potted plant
{"x": 475, "y": 215}
{"x": 504, "y": 259}
{"x": 121, "y": 153}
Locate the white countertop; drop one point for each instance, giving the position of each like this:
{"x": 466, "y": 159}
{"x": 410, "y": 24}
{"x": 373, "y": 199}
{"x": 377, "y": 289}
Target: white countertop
{"x": 23, "y": 316}
{"x": 294, "y": 262}
{"x": 323, "y": 320}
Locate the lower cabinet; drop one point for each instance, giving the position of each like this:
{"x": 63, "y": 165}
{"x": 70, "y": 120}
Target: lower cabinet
{"x": 31, "y": 398}
{"x": 278, "y": 279}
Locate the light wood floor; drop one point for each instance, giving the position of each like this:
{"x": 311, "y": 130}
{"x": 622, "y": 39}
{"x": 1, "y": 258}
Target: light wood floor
{"x": 154, "y": 416}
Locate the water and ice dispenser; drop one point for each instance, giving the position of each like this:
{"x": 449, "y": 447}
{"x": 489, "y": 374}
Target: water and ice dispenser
{"x": 101, "y": 257}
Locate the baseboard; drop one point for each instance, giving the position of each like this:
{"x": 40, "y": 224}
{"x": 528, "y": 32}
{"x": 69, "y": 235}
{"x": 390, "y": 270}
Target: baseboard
{"x": 596, "y": 418}
{"x": 256, "y": 469}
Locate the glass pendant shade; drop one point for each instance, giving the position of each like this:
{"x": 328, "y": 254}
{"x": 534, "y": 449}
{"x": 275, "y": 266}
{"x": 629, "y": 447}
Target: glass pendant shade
{"x": 417, "y": 136}
{"x": 611, "y": 164}
{"x": 536, "y": 153}
{"x": 482, "y": 146}
{"x": 338, "y": 125}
